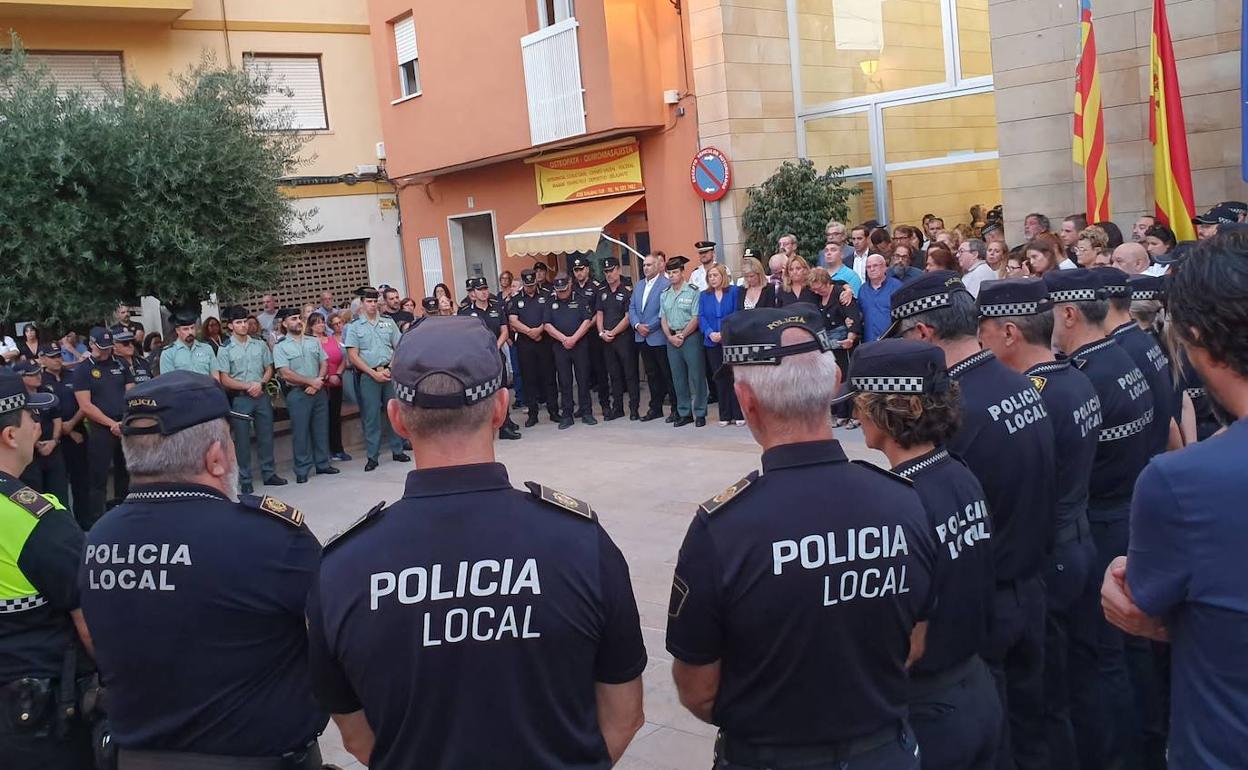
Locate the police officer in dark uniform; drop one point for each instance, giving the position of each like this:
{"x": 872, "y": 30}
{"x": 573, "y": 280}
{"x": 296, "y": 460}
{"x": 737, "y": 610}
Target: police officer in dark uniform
{"x": 482, "y": 306}
{"x": 584, "y": 286}
{"x": 792, "y": 615}
{"x": 195, "y": 603}
{"x": 526, "y": 316}
{"x": 430, "y": 306}
{"x": 46, "y": 472}
{"x": 567, "y": 319}
{"x": 504, "y": 619}
{"x": 908, "y": 407}
{"x": 1105, "y": 703}
{"x": 124, "y": 350}
{"x": 619, "y": 350}
{"x": 100, "y": 384}
{"x": 73, "y": 424}
{"x": 41, "y": 656}
{"x": 1005, "y": 428}
{"x": 1016, "y": 324}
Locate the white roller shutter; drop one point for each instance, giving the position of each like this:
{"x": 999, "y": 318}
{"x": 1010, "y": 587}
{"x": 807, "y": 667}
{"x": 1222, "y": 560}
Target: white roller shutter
{"x": 405, "y": 40}
{"x": 301, "y": 76}
{"x": 431, "y": 263}
{"x": 98, "y": 75}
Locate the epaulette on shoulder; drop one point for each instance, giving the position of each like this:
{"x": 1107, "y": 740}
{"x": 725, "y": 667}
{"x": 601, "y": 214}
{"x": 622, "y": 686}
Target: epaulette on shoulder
{"x": 274, "y": 507}
{"x": 1079, "y": 363}
{"x": 356, "y": 526}
{"x": 731, "y": 493}
{"x": 562, "y": 501}
{"x": 31, "y": 501}
{"x": 1038, "y": 382}
{"x": 884, "y": 472}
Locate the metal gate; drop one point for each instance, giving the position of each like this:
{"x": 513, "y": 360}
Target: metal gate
{"x": 309, "y": 269}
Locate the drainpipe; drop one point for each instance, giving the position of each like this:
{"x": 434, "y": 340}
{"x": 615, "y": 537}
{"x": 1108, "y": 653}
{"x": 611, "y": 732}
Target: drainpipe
{"x": 225, "y": 34}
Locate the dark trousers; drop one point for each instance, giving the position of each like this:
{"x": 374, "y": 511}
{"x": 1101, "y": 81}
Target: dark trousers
{"x": 48, "y": 475}
{"x": 103, "y": 455}
{"x": 75, "y": 455}
{"x": 1066, "y": 580}
{"x": 658, "y": 376}
{"x": 598, "y": 369}
{"x": 569, "y": 363}
{"x": 335, "y": 420}
{"x": 1015, "y": 655}
{"x": 33, "y": 751}
{"x": 845, "y": 409}
{"x": 537, "y": 366}
{"x": 729, "y": 409}
{"x": 621, "y": 360}
{"x": 959, "y": 726}
{"x": 517, "y": 381}
{"x": 899, "y": 754}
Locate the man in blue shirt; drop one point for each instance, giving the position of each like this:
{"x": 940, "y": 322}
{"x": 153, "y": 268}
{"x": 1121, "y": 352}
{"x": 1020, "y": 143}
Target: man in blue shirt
{"x": 876, "y": 297}
{"x": 1184, "y": 577}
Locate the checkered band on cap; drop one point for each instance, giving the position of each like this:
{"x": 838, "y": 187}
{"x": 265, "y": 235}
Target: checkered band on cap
{"x": 887, "y": 384}
{"x": 1116, "y": 290}
{"x": 21, "y": 604}
{"x": 1145, "y": 294}
{"x": 740, "y": 354}
{"x": 1194, "y": 392}
{"x": 916, "y": 306}
{"x": 407, "y": 394}
{"x": 1073, "y": 295}
{"x": 12, "y": 403}
{"x": 1128, "y": 429}
{"x": 1011, "y": 308}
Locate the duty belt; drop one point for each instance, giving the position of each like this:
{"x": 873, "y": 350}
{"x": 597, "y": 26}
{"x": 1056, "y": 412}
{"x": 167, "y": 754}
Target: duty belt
{"x": 736, "y": 752}
{"x": 924, "y": 686}
{"x": 307, "y": 758}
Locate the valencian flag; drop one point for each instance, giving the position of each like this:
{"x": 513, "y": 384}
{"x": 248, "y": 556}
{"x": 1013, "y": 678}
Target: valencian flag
{"x": 1172, "y": 172}
{"x": 1089, "y": 141}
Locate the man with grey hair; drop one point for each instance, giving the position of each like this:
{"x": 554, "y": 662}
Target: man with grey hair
{"x": 836, "y": 235}
{"x": 1035, "y": 224}
{"x": 540, "y": 629}
{"x": 762, "y": 577}
{"x": 972, "y": 259}
{"x": 195, "y": 602}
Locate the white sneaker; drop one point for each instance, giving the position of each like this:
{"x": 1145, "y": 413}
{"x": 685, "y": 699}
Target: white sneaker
{"x": 740, "y": 422}
{"x": 723, "y": 423}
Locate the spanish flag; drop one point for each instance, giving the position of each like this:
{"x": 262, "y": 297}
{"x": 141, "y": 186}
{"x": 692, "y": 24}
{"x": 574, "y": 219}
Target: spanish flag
{"x": 1089, "y": 141}
{"x": 1172, "y": 172}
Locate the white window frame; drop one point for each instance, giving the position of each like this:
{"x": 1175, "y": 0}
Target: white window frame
{"x": 257, "y": 59}
{"x": 102, "y": 85}
{"x": 407, "y": 55}
{"x": 430, "y": 262}
{"x": 564, "y": 10}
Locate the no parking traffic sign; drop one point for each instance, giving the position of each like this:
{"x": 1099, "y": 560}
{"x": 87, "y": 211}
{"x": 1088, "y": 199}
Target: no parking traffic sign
{"x": 710, "y": 174}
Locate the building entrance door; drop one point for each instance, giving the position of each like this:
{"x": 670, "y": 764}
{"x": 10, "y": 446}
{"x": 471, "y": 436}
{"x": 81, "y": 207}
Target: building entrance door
{"x": 474, "y": 249}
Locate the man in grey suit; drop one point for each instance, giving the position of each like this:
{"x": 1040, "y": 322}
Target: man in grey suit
{"x": 643, "y": 316}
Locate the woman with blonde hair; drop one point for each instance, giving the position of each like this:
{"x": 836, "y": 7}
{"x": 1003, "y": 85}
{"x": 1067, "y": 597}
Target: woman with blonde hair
{"x": 756, "y": 290}
{"x": 714, "y": 305}
{"x": 1091, "y": 244}
{"x": 795, "y": 288}
{"x": 996, "y": 258}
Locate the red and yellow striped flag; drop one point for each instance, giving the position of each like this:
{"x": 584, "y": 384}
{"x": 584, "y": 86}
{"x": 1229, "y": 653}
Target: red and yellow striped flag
{"x": 1089, "y": 140}
{"x": 1172, "y": 171}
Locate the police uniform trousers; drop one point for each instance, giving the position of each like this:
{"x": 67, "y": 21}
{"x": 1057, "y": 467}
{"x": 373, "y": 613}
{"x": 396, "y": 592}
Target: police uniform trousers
{"x": 373, "y": 397}
{"x": 621, "y": 361}
{"x": 598, "y": 369}
{"x": 48, "y": 474}
{"x": 658, "y": 375}
{"x": 537, "y": 366}
{"x": 956, "y": 716}
{"x": 75, "y": 455}
{"x": 845, "y": 409}
{"x": 1014, "y": 652}
{"x": 309, "y": 429}
{"x": 892, "y": 748}
{"x": 335, "y": 418}
{"x": 1066, "y": 580}
{"x": 308, "y": 759}
{"x": 729, "y": 409}
{"x": 103, "y": 454}
{"x": 516, "y": 380}
{"x": 689, "y": 376}
{"x": 569, "y": 363}
{"x": 39, "y": 749}
{"x": 261, "y": 412}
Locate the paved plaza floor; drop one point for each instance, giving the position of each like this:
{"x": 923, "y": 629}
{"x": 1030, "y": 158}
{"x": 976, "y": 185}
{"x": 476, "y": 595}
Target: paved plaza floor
{"x": 645, "y": 480}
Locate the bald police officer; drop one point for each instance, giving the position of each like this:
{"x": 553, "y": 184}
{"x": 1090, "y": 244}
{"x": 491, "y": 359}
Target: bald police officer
{"x": 791, "y": 616}
{"x": 1002, "y": 417}
{"x": 511, "y": 611}
{"x": 100, "y": 384}
{"x": 489, "y": 311}
{"x": 186, "y": 352}
{"x": 41, "y": 628}
{"x": 195, "y": 602}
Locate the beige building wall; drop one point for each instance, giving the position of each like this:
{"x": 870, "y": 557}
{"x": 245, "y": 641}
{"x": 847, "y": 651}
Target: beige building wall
{"x": 1034, "y": 45}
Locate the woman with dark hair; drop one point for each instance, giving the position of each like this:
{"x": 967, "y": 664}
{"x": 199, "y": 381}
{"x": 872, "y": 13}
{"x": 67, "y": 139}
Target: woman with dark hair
{"x": 336, "y": 356}
{"x": 211, "y": 333}
{"x": 881, "y": 243}
{"x": 1113, "y": 235}
{"x": 442, "y": 290}
{"x": 1159, "y": 241}
{"x": 940, "y": 258}
{"x": 408, "y": 305}
{"x": 28, "y": 346}
{"x": 844, "y": 326}
{"x": 909, "y": 409}
{"x": 1045, "y": 253}
{"x": 795, "y": 288}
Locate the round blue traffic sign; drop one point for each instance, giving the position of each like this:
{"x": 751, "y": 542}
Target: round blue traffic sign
{"x": 710, "y": 174}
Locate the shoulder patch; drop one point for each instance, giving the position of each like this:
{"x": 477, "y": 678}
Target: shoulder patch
{"x": 723, "y": 498}
{"x": 1039, "y": 382}
{"x": 31, "y": 501}
{"x": 274, "y": 507}
{"x": 884, "y": 472}
{"x": 355, "y": 526}
{"x": 560, "y": 500}
{"x": 1079, "y": 363}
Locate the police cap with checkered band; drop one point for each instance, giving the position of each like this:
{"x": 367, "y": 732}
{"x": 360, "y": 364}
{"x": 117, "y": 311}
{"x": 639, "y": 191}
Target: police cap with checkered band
{"x": 13, "y": 395}
{"x": 905, "y": 367}
{"x": 1078, "y": 285}
{"x": 754, "y": 338}
{"x": 1013, "y": 297}
{"x": 926, "y": 292}
{"x": 457, "y": 346}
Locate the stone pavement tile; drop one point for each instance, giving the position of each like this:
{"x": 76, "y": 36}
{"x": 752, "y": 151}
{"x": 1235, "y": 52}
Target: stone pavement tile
{"x": 672, "y": 749}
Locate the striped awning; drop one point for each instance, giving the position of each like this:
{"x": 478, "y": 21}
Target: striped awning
{"x": 567, "y": 228}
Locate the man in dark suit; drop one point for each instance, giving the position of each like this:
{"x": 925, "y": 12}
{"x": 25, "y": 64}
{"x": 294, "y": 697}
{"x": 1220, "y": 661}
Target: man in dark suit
{"x": 643, "y": 316}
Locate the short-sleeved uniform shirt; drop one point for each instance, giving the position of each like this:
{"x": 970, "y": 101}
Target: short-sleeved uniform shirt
{"x": 39, "y": 557}
{"x": 806, "y": 601}
{"x": 1124, "y": 443}
{"x": 567, "y": 315}
{"x": 589, "y": 292}
{"x": 470, "y": 621}
{"x": 140, "y": 370}
{"x": 178, "y": 356}
{"x": 1155, "y": 366}
{"x": 679, "y": 307}
{"x": 1186, "y": 566}
{"x": 529, "y": 309}
{"x": 245, "y": 361}
{"x": 614, "y": 304}
{"x": 1075, "y": 410}
{"x": 302, "y": 356}
{"x": 106, "y": 382}
{"x": 492, "y": 316}
{"x": 1004, "y": 417}
{"x": 196, "y": 608}
{"x": 67, "y": 405}
{"x": 375, "y": 340}
{"x": 964, "y": 585}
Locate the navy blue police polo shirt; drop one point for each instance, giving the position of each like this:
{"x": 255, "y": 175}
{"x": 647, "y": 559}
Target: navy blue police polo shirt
{"x": 964, "y": 582}
{"x": 529, "y": 310}
{"x": 196, "y": 607}
{"x": 471, "y": 621}
{"x": 67, "y": 404}
{"x": 589, "y": 292}
{"x": 492, "y": 316}
{"x": 1191, "y": 385}
{"x": 614, "y": 304}
{"x": 567, "y": 315}
{"x": 806, "y": 599}
{"x": 1006, "y": 439}
{"x": 106, "y": 382}
{"x": 1075, "y": 410}
{"x": 1153, "y": 363}
{"x": 1124, "y": 441}
{"x": 140, "y": 369}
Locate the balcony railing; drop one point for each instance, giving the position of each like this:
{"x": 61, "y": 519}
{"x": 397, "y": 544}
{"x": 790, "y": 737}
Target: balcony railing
{"x": 552, "y": 80}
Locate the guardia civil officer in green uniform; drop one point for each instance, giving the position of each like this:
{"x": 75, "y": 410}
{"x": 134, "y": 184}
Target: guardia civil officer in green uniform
{"x": 41, "y": 624}
{"x": 302, "y": 363}
{"x": 370, "y": 341}
{"x": 186, "y": 353}
{"x": 246, "y": 367}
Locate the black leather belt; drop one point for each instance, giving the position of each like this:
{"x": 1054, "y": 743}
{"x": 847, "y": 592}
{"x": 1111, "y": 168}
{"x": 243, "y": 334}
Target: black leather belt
{"x": 757, "y": 755}
{"x": 922, "y": 687}
{"x": 1075, "y": 530}
{"x": 308, "y": 758}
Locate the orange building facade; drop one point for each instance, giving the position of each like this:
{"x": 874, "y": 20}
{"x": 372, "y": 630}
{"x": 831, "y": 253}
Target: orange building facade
{"x": 548, "y": 131}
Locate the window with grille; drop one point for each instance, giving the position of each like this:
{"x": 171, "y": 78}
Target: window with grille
{"x": 296, "y": 88}
{"x": 97, "y": 75}
{"x": 307, "y": 270}
{"x": 408, "y": 57}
